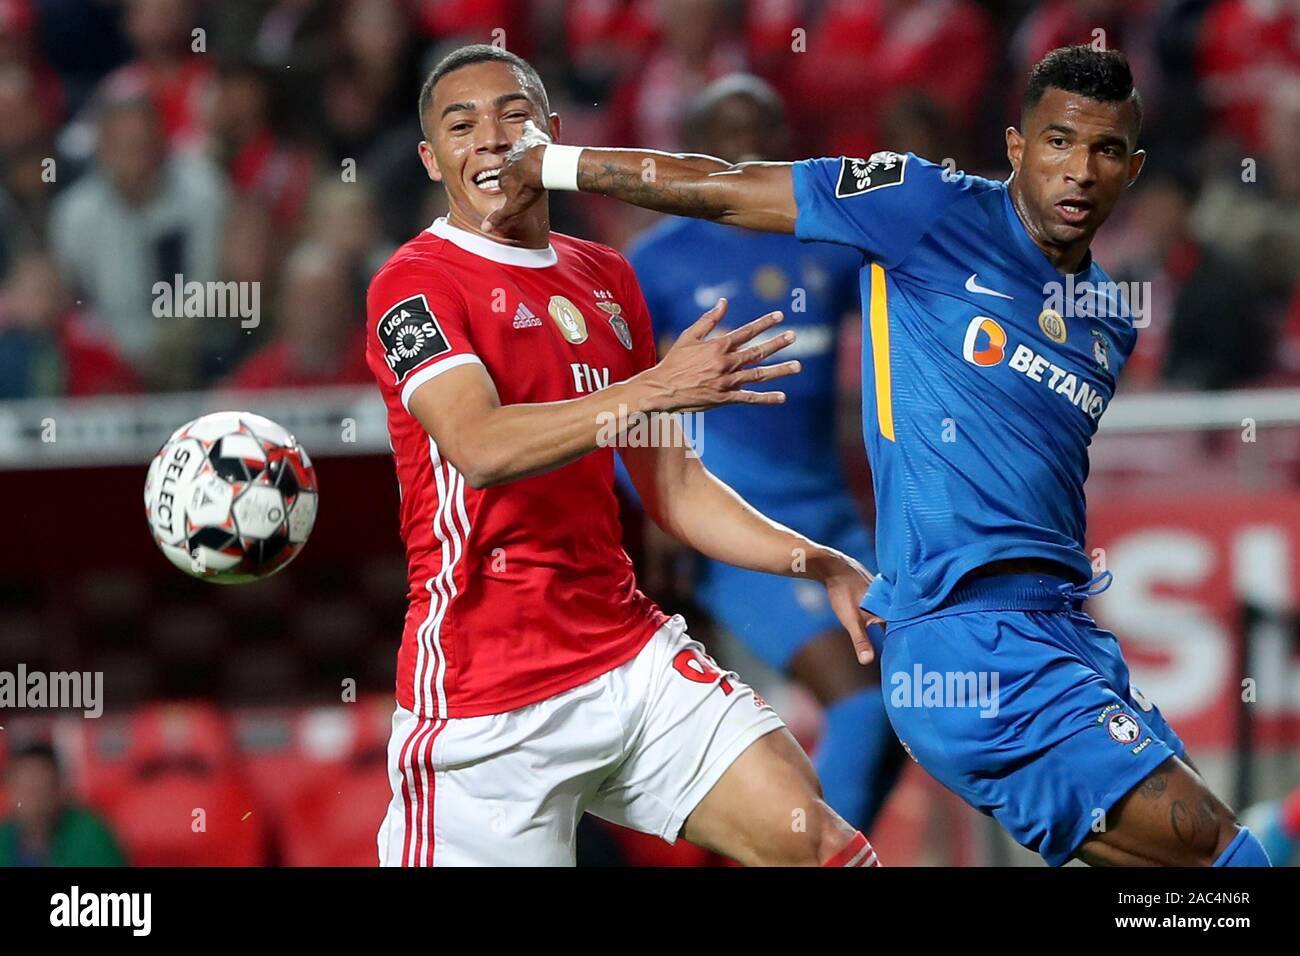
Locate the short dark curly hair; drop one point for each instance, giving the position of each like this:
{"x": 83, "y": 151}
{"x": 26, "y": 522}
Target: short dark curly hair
{"x": 480, "y": 53}
{"x": 1102, "y": 75}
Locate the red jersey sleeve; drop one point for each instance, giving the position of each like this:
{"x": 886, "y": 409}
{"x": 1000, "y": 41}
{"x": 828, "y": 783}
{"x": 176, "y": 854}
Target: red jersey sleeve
{"x": 417, "y": 327}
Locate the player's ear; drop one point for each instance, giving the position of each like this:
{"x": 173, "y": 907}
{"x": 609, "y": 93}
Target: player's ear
{"x": 1135, "y": 164}
{"x": 429, "y": 161}
{"x": 553, "y": 127}
{"x": 1015, "y": 147}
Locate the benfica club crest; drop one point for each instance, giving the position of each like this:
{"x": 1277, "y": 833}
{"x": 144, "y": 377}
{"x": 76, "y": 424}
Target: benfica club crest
{"x": 618, "y": 323}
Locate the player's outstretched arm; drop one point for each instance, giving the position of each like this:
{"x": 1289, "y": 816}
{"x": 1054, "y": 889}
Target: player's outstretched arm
{"x": 687, "y": 501}
{"x": 752, "y": 195}
{"x": 490, "y": 443}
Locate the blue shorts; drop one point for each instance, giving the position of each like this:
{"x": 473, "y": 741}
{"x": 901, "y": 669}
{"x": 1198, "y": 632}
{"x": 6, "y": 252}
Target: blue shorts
{"x": 773, "y": 616}
{"x": 1015, "y": 700}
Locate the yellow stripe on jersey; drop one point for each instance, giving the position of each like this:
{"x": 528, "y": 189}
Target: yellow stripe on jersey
{"x": 880, "y": 351}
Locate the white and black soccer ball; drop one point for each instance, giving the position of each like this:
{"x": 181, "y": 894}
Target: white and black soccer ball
{"x": 231, "y": 497}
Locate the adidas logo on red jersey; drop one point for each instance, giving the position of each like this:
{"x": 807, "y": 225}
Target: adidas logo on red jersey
{"x": 524, "y": 318}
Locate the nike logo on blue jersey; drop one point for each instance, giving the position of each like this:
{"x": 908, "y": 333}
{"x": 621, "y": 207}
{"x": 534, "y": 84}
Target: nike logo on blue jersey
{"x": 972, "y": 286}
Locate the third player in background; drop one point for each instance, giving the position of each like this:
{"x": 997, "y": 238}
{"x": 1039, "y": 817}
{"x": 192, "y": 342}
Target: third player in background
{"x": 780, "y": 458}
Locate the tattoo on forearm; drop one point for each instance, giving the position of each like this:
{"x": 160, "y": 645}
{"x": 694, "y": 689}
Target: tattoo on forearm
{"x": 659, "y": 194}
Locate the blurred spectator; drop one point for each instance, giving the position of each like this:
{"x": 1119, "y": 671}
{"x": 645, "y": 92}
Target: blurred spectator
{"x": 82, "y": 42}
{"x": 344, "y": 219}
{"x": 28, "y": 173}
{"x": 46, "y": 829}
{"x": 1207, "y": 328}
{"x": 289, "y": 89}
{"x": 293, "y": 40}
{"x": 292, "y": 33}
{"x": 166, "y": 65}
{"x": 1246, "y": 49}
{"x": 251, "y": 248}
{"x": 1127, "y": 25}
{"x": 319, "y": 336}
{"x": 1252, "y": 211}
{"x": 472, "y": 21}
{"x": 917, "y": 124}
{"x": 375, "y": 78}
{"x": 1288, "y": 351}
{"x": 257, "y": 160}
{"x": 141, "y": 216}
{"x": 863, "y": 53}
{"x": 47, "y": 347}
{"x": 698, "y": 45}
{"x": 388, "y": 169}
{"x": 16, "y": 232}
{"x": 770, "y": 32}
{"x": 605, "y": 41}
{"x": 22, "y": 125}
{"x": 18, "y": 48}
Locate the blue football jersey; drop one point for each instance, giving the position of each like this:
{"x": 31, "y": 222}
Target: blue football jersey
{"x": 775, "y": 456}
{"x": 985, "y": 371}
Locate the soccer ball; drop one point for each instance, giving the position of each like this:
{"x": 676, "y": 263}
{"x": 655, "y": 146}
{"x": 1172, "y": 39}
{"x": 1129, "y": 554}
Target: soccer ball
{"x": 230, "y": 497}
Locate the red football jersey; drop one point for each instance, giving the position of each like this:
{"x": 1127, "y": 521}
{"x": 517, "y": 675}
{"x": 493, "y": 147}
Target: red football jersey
{"x": 523, "y": 590}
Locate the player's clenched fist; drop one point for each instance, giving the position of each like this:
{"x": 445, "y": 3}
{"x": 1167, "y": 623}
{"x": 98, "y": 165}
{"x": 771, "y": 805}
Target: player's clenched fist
{"x": 520, "y": 179}
{"x": 701, "y": 372}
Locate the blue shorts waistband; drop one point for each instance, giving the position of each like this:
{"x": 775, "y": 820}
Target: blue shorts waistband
{"x": 1020, "y": 592}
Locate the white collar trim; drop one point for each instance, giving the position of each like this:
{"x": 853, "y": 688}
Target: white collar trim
{"x": 484, "y": 247}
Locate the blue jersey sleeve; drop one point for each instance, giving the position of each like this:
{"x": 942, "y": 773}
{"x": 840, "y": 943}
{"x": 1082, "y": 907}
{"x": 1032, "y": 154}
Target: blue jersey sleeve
{"x": 882, "y": 205}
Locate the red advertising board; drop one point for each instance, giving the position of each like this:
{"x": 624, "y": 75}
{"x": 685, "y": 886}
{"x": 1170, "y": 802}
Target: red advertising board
{"x": 1186, "y": 569}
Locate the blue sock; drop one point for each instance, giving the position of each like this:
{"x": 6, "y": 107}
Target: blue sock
{"x": 1244, "y": 850}
{"x": 858, "y": 757}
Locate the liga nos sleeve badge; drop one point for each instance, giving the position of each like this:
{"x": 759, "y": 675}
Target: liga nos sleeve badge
{"x": 410, "y": 336}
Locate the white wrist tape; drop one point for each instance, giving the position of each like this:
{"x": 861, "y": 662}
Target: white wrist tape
{"x": 560, "y": 167}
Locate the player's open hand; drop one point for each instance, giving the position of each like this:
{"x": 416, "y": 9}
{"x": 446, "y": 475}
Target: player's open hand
{"x": 701, "y": 372}
{"x": 520, "y": 180}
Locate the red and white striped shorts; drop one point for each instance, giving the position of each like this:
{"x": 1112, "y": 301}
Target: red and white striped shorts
{"x": 640, "y": 746}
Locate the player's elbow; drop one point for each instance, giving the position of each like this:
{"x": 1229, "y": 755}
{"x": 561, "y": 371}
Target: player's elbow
{"x": 468, "y": 445}
{"x": 473, "y": 462}
{"x": 478, "y": 480}
{"x": 483, "y": 466}
{"x": 481, "y": 472}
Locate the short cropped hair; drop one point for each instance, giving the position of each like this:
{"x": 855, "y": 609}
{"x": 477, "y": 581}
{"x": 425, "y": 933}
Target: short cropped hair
{"x": 1101, "y": 75}
{"x": 480, "y": 53}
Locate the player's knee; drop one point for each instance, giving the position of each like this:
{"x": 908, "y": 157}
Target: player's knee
{"x": 1225, "y": 831}
{"x": 792, "y": 842}
{"x": 1208, "y": 835}
{"x": 817, "y": 833}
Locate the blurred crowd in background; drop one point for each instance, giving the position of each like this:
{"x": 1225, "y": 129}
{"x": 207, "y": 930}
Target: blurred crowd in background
{"x": 274, "y": 141}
